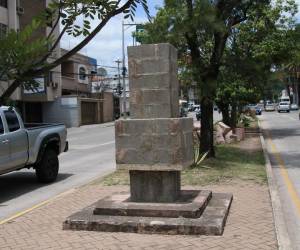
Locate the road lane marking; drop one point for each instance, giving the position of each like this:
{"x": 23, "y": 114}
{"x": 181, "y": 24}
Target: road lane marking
{"x": 34, "y": 207}
{"x": 289, "y": 184}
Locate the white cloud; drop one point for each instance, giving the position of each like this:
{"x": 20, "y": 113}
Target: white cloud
{"x": 106, "y": 47}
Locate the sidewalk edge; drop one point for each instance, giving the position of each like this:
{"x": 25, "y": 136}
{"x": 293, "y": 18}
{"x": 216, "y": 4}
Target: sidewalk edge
{"x": 54, "y": 198}
{"x": 282, "y": 236}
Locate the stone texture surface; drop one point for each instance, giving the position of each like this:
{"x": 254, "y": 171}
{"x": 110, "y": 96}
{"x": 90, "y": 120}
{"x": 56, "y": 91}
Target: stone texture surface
{"x": 211, "y": 222}
{"x": 190, "y": 204}
{"x": 153, "y": 81}
{"x": 154, "y": 144}
{"x": 240, "y": 133}
{"x": 249, "y": 225}
{"x": 154, "y": 186}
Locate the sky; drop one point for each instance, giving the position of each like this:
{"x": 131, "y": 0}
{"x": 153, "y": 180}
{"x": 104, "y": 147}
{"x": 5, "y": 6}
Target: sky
{"x": 106, "y": 47}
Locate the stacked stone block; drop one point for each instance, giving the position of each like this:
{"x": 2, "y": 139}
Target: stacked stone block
{"x": 153, "y": 81}
{"x": 155, "y": 144}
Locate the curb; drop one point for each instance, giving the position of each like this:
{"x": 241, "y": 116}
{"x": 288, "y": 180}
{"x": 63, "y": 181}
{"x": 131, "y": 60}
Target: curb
{"x": 54, "y": 198}
{"x": 283, "y": 239}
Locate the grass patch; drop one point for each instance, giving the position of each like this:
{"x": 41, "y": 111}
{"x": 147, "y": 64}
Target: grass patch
{"x": 231, "y": 163}
{"x": 119, "y": 177}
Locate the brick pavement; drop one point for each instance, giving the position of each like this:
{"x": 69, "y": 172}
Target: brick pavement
{"x": 249, "y": 226}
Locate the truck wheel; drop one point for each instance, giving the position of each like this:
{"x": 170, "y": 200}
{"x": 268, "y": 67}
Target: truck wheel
{"x": 47, "y": 169}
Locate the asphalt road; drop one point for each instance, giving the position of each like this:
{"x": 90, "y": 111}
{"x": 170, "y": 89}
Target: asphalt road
{"x": 91, "y": 155}
{"x": 282, "y": 133}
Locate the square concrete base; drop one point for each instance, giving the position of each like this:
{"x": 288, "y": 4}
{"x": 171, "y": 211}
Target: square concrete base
{"x": 211, "y": 221}
{"x": 190, "y": 204}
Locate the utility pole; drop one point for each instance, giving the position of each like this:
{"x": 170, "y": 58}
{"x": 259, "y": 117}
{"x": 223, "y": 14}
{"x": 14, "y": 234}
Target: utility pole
{"x": 123, "y": 72}
{"x": 119, "y": 76}
{"x": 123, "y": 65}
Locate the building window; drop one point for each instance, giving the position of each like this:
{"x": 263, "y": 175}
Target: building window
{"x": 82, "y": 73}
{"x": 3, "y": 30}
{"x": 3, "y": 3}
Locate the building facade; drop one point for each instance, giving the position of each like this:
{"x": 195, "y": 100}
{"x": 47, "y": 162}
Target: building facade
{"x": 17, "y": 14}
{"x": 9, "y": 19}
{"x": 64, "y": 94}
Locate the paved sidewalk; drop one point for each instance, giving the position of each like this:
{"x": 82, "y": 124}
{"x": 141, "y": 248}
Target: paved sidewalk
{"x": 249, "y": 225}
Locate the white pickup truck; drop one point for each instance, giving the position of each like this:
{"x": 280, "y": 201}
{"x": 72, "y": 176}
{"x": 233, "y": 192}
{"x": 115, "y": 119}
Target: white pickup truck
{"x": 30, "y": 145}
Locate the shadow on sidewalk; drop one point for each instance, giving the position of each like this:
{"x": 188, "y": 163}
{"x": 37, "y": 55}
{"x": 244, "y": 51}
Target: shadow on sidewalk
{"x": 18, "y": 183}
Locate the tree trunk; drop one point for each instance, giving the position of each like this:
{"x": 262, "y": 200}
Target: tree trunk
{"x": 207, "y": 127}
{"x": 9, "y": 91}
{"x": 233, "y": 117}
{"x": 225, "y": 112}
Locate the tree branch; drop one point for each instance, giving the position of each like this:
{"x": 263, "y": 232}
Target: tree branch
{"x": 83, "y": 43}
{"x": 44, "y": 69}
{"x": 191, "y": 35}
{"x": 53, "y": 46}
{"x": 56, "y": 22}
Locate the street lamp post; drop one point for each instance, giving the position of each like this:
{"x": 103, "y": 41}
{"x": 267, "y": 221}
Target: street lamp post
{"x": 119, "y": 84}
{"x": 123, "y": 65}
{"x": 123, "y": 72}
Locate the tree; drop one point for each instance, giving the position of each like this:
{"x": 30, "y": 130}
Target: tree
{"x": 251, "y": 54}
{"x": 201, "y": 28}
{"x": 24, "y": 55}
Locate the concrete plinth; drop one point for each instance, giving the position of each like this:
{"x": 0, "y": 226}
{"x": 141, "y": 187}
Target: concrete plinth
{"x": 190, "y": 204}
{"x": 211, "y": 222}
{"x": 154, "y": 186}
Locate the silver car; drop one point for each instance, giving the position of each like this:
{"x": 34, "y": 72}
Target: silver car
{"x": 270, "y": 107}
{"x": 283, "y": 106}
{"x": 294, "y": 106}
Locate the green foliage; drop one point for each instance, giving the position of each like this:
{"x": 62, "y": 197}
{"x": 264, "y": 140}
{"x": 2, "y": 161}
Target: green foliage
{"x": 235, "y": 38}
{"x": 19, "y": 51}
{"x": 71, "y": 11}
{"x": 245, "y": 121}
{"x": 253, "y": 52}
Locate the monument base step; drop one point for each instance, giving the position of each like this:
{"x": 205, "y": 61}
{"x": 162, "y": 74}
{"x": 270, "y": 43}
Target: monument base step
{"x": 190, "y": 204}
{"x": 211, "y": 222}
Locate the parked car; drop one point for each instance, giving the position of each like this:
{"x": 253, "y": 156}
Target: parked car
{"x": 198, "y": 114}
{"x": 258, "y": 110}
{"x": 294, "y": 106}
{"x": 35, "y": 145}
{"x": 270, "y": 107}
{"x": 252, "y": 106}
{"x": 283, "y": 106}
{"x": 196, "y": 107}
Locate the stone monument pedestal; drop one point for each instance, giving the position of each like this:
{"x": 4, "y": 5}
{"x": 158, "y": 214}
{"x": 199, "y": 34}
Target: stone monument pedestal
{"x": 193, "y": 213}
{"x": 154, "y": 186}
{"x": 155, "y": 145}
